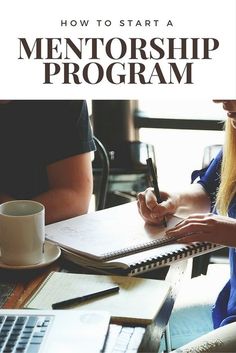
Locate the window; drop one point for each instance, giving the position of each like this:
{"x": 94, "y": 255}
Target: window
{"x": 182, "y": 109}
{"x": 180, "y": 151}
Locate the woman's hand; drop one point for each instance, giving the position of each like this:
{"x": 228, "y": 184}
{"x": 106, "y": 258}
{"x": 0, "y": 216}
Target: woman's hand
{"x": 206, "y": 228}
{"x": 151, "y": 211}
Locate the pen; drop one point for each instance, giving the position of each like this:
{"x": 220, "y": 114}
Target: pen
{"x": 77, "y": 300}
{"x": 154, "y": 182}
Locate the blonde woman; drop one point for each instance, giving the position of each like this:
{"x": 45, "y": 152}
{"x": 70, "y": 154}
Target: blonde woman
{"x": 216, "y": 193}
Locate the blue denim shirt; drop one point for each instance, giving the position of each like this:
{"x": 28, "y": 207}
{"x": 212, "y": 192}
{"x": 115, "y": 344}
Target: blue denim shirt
{"x": 224, "y": 310}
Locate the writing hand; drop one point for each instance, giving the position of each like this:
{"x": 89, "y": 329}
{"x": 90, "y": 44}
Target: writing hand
{"x": 152, "y": 211}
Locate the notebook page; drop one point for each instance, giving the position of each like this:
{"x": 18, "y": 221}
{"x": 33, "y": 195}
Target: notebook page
{"x": 106, "y": 231}
{"x": 124, "y": 306}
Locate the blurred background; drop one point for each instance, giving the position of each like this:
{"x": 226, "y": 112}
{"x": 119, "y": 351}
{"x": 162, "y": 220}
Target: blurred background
{"x": 176, "y": 134}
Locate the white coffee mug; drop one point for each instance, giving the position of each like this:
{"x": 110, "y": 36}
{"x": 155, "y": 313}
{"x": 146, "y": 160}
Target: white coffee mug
{"x": 22, "y": 232}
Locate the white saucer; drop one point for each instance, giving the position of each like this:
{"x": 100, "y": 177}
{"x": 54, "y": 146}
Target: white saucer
{"x": 51, "y": 254}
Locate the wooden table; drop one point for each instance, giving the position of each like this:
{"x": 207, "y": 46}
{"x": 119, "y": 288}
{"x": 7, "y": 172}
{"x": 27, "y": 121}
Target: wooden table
{"x": 24, "y": 283}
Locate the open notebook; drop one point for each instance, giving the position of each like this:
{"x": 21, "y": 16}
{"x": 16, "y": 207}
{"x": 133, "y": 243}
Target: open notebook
{"x": 117, "y": 239}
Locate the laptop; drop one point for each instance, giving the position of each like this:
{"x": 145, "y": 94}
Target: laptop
{"x": 50, "y": 331}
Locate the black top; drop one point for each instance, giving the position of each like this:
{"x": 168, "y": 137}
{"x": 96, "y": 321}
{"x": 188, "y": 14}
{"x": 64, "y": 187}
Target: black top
{"x": 34, "y": 134}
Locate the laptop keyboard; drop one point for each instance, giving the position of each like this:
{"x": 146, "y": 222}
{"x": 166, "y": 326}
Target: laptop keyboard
{"x": 22, "y": 333}
{"x": 124, "y": 339}
{"x": 25, "y": 334}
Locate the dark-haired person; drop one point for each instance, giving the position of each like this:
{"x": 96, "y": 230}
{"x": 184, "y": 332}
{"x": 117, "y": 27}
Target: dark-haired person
{"x": 212, "y": 202}
{"x": 45, "y": 155}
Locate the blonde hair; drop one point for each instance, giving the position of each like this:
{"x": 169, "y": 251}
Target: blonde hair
{"x": 227, "y": 186}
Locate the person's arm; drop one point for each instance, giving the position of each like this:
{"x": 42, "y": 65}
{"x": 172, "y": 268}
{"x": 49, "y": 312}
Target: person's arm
{"x": 199, "y": 226}
{"x": 193, "y": 199}
{"x": 206, "y": 228}
{"x": 70, "y": 188}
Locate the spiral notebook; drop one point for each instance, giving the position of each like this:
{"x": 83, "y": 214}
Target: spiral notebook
{"x": 118, "y": 240}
